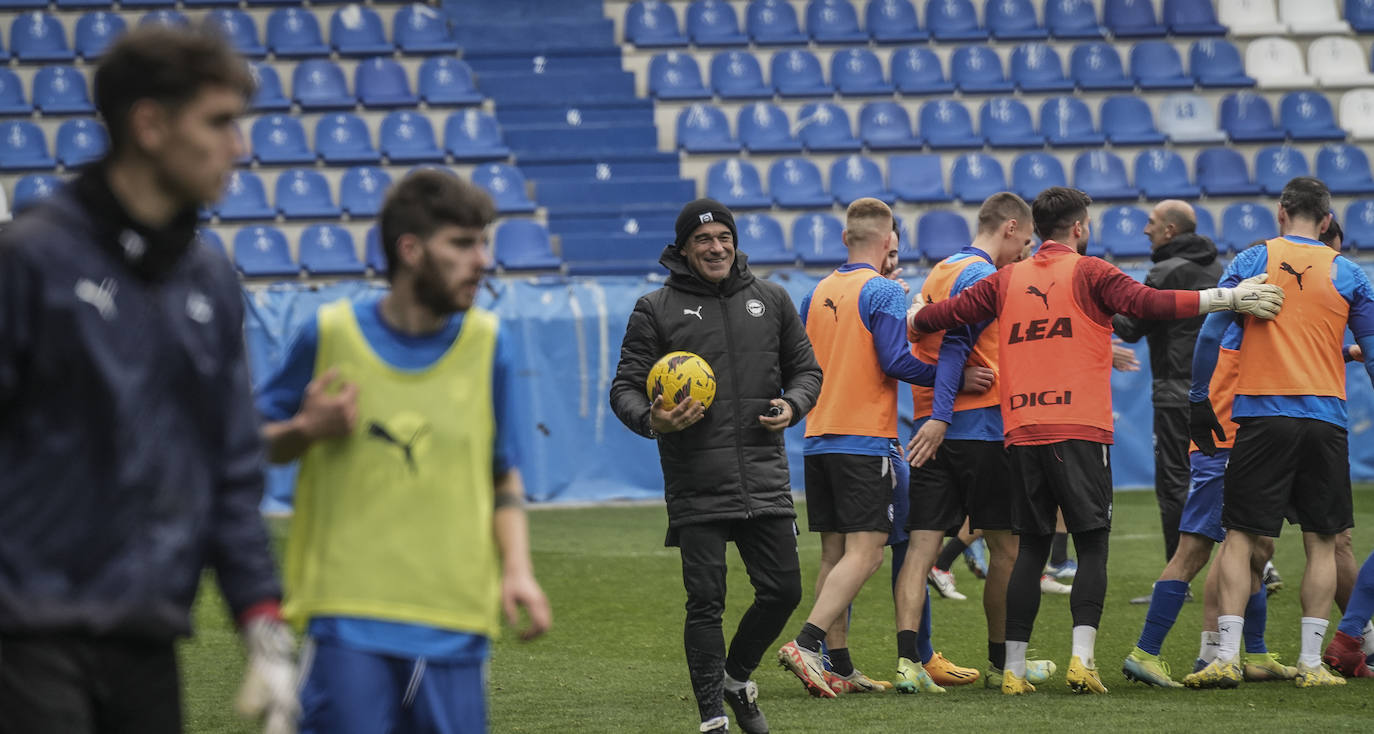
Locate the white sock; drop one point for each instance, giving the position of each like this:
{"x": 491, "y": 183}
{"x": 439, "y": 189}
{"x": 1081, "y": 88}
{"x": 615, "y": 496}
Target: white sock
{"x": 1208, "y": 651}
{"x": 1313, "y": 634}
{"x": 1016, "y": 658}
{"x": 734, "y": 685}
{"x": 1368, "y": 634}
{"x": 1229, "y": 628}
{"x": 710, "y": 724}
{"x": 1084, "y": 642}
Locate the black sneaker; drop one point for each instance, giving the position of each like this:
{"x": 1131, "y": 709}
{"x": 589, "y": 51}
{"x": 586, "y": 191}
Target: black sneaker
{"x": 747, "y": 713}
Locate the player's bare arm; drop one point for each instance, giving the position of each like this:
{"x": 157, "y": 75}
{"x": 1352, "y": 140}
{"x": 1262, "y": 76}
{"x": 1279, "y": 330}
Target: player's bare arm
{"x": 328, "y": 410}
{"x": 519, "y": 589}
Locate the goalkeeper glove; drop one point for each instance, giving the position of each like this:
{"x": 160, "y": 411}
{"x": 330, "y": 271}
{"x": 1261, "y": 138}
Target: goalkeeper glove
{"x": 269, "y": 685}
{"x": 1202, "y": 425}
{"x": 1251, "y": 296}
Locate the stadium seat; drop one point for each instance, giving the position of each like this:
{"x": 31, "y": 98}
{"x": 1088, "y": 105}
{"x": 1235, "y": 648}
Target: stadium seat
{"x": 1132, "y": 19}
{"x": 95, "y": 31}
{"x": 361, "y": 191}
{"x": 1206, "y": 226}
{"x": 1250, "y": 17}
{"x": 1013, "y": 20}
{"x": 702, "y": 128}
{"x": 1006, "y": 123}
{"x": 268, "y": 96}
{"x": 824, "y": 126}
{"x": 343, "y": 138}
{"x": 978, "y": 70}
{"x": 263, "y": 252}
{"x": 1188, "y": 118}
{"x": 33, "y": 188}
{"x": 238, "y": 27}
{"x": 1127, "y": 120}
{"x": 736, "y": 184}
{"x": 1032, "y": 173}
{"x": 211, "y": 239}
{"x": 294, "y": 33}
{"x": 652, "y": 24}
{"x": 941, "y": 233}
{"x": 1338, "y": 62}
{"x": 797, "y": 73}
{"x": 23, "y": 147}
{"x": 853, "y": 177}
{"x": 917, "y": 70}
{"x": 1357, "y": 113}
{"x": 328, "y": 249}
{"x": 1308, "y": 116}
{"x": 420, "y": 29}
{"x": 833, "y": 21}
{"x": 1192, "y": 18}
{"x": 1036, "y": 67}
{"x": 1097, "y": 66}
{"x": 1067, "y": 122}
{"x": 1276, "y": 63}
{"x": 886, "y": 126}
{"x": 81, "y": 141}
{"x": 506, "y": 184}
{"x": 1244, "y": 223}
{"x": 304, "y": 194}
{"x": 795, "y": 183}
{"x": 12, "y": 100}
{"x": 1360, "y": 15}
{"x": 946, "y": 123}
{"x": 356, "y": 30}
{"x": 523, "y": 244}
{"x": 61, "y": 4}
{"x": 1102, "y": 175}
{"x": 893, "y": 21}
{"x": 1276, "y": 165}
{"x": 857, "y": 71}
{"x": 447, "y": 81}
{"x": 473, "y": 135}
{"x": 917, "y": 178}
{"x": 1122, "y": 232}
{"x": 39, "y": 36}
{"x": 773, "y": 23}
{"x": 1359, "y": 224}
{"x": 1072, "y": 19}
{"x": 1157, "y": 65}
{"x": 1247, "y": 118}
{"x": 1223, "y": 172}
{"x": 244, "y": 198}
{"x": 763, "y": 128}
{"x": 1215, "y": 62}
{"x": 761, "y": 238}
{"x": 319, "y": 84}
{"x": 164, "y": 17}
{"x": 674, "y": 75}
{"x": 817, "y": 239}
{"x": 737, "y": 75}
{"x": 1312, "y": 17}
{"x": 975, "y": 177}
{"x": 953, "y": 20}
{"x": 382, "y": 83}
{"x": 1162, "y": 174}
{"x": 13, "y": 5}
{"x": 280, "y": 139}
{"x": 714, "y": 23}
{"x": 61, "y": 90}
{"x": 1345, "y": 169}
{"x": 408, "y": 137}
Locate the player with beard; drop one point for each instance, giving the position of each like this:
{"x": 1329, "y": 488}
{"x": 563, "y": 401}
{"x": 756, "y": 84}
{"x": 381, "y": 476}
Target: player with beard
{"x": 408, "y": 537}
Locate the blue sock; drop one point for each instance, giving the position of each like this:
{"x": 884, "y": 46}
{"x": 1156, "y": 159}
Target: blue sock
{"x": 1166, "y": 601}
{"x": 923, "y": 644}
{"x": 1256, "y": 614}
{"x": 1361, "y": 605}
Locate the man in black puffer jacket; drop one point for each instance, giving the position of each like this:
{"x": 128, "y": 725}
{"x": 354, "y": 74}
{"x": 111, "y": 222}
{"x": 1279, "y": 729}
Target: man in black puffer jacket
{"x": 725, "y": 469}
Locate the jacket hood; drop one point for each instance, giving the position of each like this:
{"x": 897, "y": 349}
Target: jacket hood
{"x": 683, "y": 278}
{"x": 1190, "y": 246}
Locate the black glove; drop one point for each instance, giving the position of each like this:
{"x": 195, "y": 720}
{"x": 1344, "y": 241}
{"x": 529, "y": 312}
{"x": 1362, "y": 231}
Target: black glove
{"x": 1202, "y": 424}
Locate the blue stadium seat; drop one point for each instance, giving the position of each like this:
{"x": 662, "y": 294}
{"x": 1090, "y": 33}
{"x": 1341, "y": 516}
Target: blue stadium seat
{"x": 1157, "y": 65}
{"x": 1345, "y": 169}
{"x": 772, "y": 23}
{"x": 1122, "y": 232}
{"x": 81, "y": 141}
{"x": 65, "y": 4}
{"x": 795, "y": 183}
{"x": 886, "y": 126}
{"x": 319, "y": 84}
{"x": 893, "y": 21}
{"x": 39, "y": 36}
{"x": 714, "y": 23}
{"x": 303, "y": 193}
{"x": 523, "y": 244}
{"x": 33, "y": 188}
{"x": 61, "y": 90}
{"x": 1006, "y": 123}
{"x": 797, "y": 73}
{"x": 736, "y": 184}
{"x": 148, "y": 4}
{"x": 1102, "y": 175}
{"x": 941, "y": 233}
{"x": 1276, "y": 165}
{"x": 652, "y": 24}
{"x": 244, "y": 198}
{"x": 373, "y": 255}
{"x": 674, "y": 75}
{"x": 1127, "y": 120}
{"x": 12, "y": 5}
{"x": 381, "y": 83}
{"x": 1072, "y": 19}
{"x": 408, "y": 137}
{"x": 1192, "y": 18}
{"x": 269, "y": 95}
{"x": 328, "y": 249}
{"x": 1066, "y": 121}
{"x": 917, "y": 178}
{"x": 946, "y": 123}
{"x": 263, "y": 252}
{"x": 1359, "y": 224}
{"x": 356, "y": 30}
{"x": 817, "y": 239}
{"x": 23, "y": 147}
{"x": 421, "y": 29}
{"x": 824, "y": 126}
{"x": 857, "y": 71}
{"x": 917, "y": 70}
{"x": 1097, "y": 66}
{"x": 95, "y": 31}
{"x": 978, "y": 69}
{"x": 702, "y": 128}
{"x": 854, "y": 177}
{"x": 1215, "y": 62}
{"x": 953, "y": 20}
{"x": 761, "y": 238}
{"x": 1206, "y": 225}
{"x": 1010, "y": 20}
{"x": 1162, "y": 174}
{"x": 1360, "y": 15}
{"x": 1032, "y": 173}
{"x": 447, "y": 81}
{"x": 1223, "y": 172}
{"x": 280, "y": 139}
{"x": 1308, "y": 116}
{"x": 168, "y": 18}
{"x": 473, "y": 135}
{"x": 763, "y": 128}
{"x": 211, "y": 239}
{"x": 1132, "y": 19}
{"x": 12, "y": 100}
{"x": 1188, "y": 118}
{"x": 294, "y": 33}
{"x": 737, "y": 75}
{"x": 362, "y": 189}
{"x": 1036, "y": 67}
{"x": 975, "y": 177}
{"x": 1244, "y": 223}
{"x": 833, "y": 21}
{"x": 506, "y": 184}
{"x": 238, "y": 27}
{"x": 1247, "y": 118}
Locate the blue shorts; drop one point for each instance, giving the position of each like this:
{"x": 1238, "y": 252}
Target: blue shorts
{"x": 1202, "y": 510}
{"x": 901, "y": 503}
{"x": 348, "y": 691}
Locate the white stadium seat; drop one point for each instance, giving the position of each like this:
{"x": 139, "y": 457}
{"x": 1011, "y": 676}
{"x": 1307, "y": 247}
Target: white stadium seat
{"x": 1338, "y": 61}
{"x": 1250, "y": 17}
{"x": 1276, "y": 63}
{"x": 1312, "y": 17}
{"x": 1357, "y": 113}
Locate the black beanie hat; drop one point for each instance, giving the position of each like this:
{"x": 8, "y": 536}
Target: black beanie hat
{"x": 699, "y": 212}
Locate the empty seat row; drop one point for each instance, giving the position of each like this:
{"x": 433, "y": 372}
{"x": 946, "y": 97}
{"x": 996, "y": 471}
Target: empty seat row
{"x": 23, "y": 147}
{"x": 1296, "y": 17}
{"x": 405, "y": 136}
{"x": 319, "y": 84}
{"x": 138, "y": 4}
{"x": 1333, "y": 61}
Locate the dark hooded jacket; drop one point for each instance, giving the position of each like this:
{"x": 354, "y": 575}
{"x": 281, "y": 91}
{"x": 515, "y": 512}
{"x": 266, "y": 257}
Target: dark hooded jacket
{"x": 727, "y": 466}
{"x": 1187, "y": 262}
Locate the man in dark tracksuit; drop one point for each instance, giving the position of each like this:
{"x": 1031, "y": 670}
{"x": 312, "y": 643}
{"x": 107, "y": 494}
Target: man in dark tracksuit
{"x": 725, "y": 469}
{"x": 128, "y": 435}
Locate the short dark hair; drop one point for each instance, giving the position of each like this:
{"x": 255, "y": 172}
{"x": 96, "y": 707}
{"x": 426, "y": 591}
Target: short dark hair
{"x": 426, "y": 200}
{"x": 1332, "y": 232}
{"x": 1306, "y": 197}
{"x": 168, "y": 65}
{"x": 1057, "y": 208}
{"x": 999, "y": 209}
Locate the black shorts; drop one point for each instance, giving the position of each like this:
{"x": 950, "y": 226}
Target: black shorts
{"x": 1295, "y": 467}
{"x": 1073, "y": 476}
{"x": 970, "y": 479}
{"x": 848, "y": 493}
